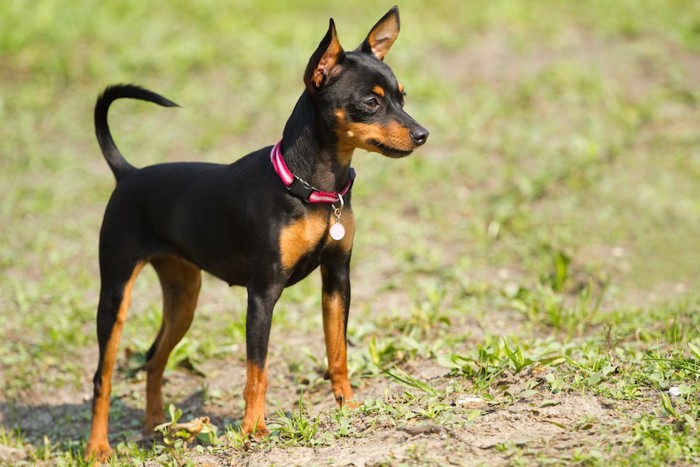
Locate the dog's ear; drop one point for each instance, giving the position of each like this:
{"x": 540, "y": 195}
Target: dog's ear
{"x": 325, "y": 63}
{"x": 383, "y": 34}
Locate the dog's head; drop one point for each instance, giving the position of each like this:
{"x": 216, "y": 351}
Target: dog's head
{"x": 358, "y": 94}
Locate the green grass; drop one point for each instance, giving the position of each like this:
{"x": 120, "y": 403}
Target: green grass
{"x": 539, "y": 250}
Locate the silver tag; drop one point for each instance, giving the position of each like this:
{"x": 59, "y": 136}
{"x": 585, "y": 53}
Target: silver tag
{"x": 337, "y": 231}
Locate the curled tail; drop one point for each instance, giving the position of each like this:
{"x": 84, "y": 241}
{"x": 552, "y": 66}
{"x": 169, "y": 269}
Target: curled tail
{"x": 114, "y": 158}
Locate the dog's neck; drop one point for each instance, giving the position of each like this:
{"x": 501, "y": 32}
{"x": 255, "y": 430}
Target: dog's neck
{"x": 310, "y": 149}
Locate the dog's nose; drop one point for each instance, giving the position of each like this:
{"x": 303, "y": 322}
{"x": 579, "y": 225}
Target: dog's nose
{"x": 419, "y": 135}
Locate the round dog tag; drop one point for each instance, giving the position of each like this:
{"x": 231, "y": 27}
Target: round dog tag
{"x": 337, "y": 231}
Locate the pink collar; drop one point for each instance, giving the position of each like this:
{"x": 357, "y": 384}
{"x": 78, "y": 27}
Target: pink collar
{"x": 299, "y": 187}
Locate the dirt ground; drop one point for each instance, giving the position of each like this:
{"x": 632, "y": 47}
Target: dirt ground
{"x": 560, "y": 423}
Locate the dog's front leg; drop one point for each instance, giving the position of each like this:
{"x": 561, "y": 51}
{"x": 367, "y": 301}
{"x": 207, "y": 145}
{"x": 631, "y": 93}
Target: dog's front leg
{"x": 336, "y": 306}
{"x": 261, "y": 301}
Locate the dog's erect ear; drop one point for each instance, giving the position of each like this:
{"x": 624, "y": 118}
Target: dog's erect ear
{"x": 325, "y": 63}
{"x": 383, "y": 34}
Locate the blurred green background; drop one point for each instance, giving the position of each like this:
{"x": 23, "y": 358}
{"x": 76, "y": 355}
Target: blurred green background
{"x": 560, "y": 125}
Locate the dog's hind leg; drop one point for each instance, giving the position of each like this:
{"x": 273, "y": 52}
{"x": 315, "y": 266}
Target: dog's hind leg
{"x": 115, "y": 297}
{"x": 180, "y": 281}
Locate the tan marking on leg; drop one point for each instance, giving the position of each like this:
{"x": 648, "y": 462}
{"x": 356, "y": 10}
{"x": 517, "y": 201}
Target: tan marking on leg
{"x": 180, "y": 282}
{"x": 254, "y": 395}
{"x": 300, "y": 237}
{"x": 98, "y": 445}
{"x": 336, "y": 348}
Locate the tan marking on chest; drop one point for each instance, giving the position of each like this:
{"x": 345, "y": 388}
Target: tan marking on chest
{"x": 300, "y": 237}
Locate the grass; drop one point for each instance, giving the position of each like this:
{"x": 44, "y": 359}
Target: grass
{"x": 525, "y": 283}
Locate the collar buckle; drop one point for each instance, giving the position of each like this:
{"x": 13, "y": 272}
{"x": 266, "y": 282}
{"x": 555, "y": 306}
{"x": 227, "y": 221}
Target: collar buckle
{"x": 300, "y": 189}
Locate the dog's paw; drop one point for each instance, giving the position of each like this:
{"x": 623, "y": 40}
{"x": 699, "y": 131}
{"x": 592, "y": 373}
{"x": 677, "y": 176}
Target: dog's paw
{"x": 257, "y": 430}
{"x": 98, "y": 451}
{"x": 352, "y": 404}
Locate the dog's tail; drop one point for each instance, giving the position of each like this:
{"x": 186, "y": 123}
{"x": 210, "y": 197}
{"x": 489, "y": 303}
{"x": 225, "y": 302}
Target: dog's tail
{"x": 120, "y": 167}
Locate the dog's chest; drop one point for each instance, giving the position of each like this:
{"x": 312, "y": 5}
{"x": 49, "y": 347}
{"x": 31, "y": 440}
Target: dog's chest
{"x": 304, "y": 242}
{"x": 303, "y": 237}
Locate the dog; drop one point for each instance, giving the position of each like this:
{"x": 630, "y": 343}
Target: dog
{"x": 263, "y": 222}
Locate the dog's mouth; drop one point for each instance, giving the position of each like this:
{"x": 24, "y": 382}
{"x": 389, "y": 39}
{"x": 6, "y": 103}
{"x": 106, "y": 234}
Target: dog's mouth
{"x": 390, "y": 151}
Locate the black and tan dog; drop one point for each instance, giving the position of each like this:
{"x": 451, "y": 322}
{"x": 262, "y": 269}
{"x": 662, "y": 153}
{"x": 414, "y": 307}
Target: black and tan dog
{"x": 264, "y": 222}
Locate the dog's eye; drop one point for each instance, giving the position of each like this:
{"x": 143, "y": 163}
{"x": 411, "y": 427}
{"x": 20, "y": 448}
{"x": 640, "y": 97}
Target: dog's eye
{"x": 372, "y": 103}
